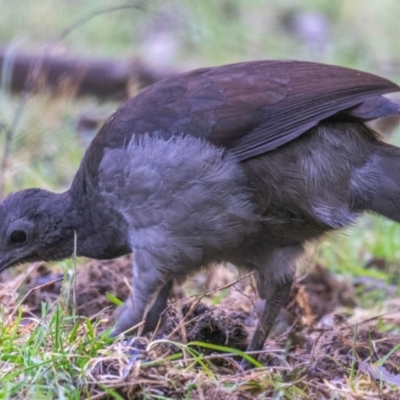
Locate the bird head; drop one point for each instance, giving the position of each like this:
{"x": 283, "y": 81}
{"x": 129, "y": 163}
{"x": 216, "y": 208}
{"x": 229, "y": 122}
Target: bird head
{"x": 33, "y": 228}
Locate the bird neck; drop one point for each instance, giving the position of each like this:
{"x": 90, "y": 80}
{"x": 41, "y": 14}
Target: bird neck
{"x": 57, "y": 219}
{"x": 101, "y": 232}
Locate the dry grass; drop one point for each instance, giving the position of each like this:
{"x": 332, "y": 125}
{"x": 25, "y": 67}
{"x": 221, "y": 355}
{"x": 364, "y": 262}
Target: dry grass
{"x": 320, "y": 348}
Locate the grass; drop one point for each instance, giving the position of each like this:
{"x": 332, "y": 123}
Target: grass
{"x": 58, "y": 354}
{"x": 46, "y": 357}
{"x": 61, "y": 355}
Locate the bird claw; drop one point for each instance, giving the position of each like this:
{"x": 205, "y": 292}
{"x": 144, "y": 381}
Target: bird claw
{"x": 136, "y": 350}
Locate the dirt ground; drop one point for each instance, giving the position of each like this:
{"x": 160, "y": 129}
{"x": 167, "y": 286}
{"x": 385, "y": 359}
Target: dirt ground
{"x": 314, "y": 342}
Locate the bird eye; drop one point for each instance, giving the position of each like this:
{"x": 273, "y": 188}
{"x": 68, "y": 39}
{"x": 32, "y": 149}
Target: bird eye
{"x": 18, "y": 236}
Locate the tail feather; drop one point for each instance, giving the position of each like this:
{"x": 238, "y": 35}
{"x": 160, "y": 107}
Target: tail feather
{"x": 384, "y": 199}
{"x": 374, "y": 107}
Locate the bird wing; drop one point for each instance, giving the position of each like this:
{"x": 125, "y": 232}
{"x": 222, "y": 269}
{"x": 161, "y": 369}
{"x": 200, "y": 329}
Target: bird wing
{"x": 251, "y": 107}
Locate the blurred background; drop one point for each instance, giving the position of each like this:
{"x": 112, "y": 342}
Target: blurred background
{"x": 46, "y": 122}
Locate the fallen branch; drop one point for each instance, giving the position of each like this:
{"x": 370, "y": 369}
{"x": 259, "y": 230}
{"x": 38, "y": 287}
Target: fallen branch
{"x": 96, "y": 77}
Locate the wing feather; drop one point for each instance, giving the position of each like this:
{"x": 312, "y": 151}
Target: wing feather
{"x": 251, "y": 107}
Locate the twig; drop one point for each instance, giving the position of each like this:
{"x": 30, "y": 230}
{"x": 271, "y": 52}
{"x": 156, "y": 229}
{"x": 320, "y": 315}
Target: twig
{"x": 9, "y": 131}
{"x": 73, "y": 278}
{"x": 34, "y": 75}
{"x": 32, "y": 290}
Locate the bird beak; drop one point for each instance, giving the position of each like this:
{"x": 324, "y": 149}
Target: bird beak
{"x": 5, "y": 263}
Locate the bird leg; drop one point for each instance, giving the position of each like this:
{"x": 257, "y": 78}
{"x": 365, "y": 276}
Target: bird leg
{"x": 146, "y": 302}
{"x": 159, "y": 306}
{"x": 126, "y": 316}
{"x": 274, "y": 281}
{"x": 273, "y": 304}
{"x": 131, "y": 313}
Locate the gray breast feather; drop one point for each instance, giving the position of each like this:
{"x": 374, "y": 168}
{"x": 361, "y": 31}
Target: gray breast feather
{"x": 184, "y": 199}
